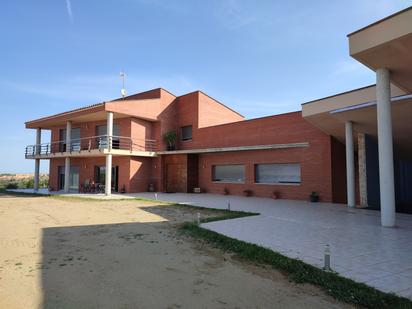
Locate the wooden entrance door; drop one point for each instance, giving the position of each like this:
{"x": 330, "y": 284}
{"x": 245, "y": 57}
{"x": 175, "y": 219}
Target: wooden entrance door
{"x": 176, "y": 178}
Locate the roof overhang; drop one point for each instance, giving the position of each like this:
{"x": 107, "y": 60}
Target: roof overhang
{"x": 331, "y": 114}
{"x": 147, "y": 109}
{"x": 387, "y": 44}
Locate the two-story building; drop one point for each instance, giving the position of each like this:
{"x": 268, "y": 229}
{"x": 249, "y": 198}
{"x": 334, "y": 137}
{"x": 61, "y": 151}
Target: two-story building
{"x": 353, "y": 147}
{"x": 216, "y": 149}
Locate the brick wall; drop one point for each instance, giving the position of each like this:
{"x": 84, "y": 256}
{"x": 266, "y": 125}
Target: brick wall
{"x": 315, "y": 172}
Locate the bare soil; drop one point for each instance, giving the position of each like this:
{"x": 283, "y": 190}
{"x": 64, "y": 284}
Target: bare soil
{"x": 72, "y": 253}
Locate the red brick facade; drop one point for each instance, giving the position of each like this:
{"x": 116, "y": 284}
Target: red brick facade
{"x": 214, "y": 126}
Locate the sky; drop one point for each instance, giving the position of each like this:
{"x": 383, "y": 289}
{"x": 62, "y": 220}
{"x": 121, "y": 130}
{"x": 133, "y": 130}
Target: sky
{"x": 258, "y": 57}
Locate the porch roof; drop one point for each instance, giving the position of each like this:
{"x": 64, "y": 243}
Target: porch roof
{"x": 146, "y": 105}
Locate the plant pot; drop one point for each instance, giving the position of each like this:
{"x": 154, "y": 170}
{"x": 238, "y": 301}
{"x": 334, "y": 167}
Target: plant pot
{"x": 314, "y": 198}
{"x": 247, "y": 193}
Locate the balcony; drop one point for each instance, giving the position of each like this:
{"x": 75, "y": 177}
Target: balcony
{"x": 93, "y": 146}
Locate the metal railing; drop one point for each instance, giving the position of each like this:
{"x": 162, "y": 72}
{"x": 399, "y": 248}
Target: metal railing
{"x": 100, "y": 142}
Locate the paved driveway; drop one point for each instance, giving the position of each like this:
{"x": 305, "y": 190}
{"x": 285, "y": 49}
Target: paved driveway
{"x": 361, "y": 249}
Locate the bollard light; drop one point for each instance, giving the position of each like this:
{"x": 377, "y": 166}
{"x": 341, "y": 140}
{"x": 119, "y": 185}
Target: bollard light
{"x": 156, "y": 196}
{"x": 326, "y": 266}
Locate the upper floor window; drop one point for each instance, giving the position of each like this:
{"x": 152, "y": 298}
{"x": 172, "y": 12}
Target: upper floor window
{"x": 277, "y": 173}
{"x": 101, "y": 132}
{"x": 186, "y": 133}
{"x": 75, "y": 139}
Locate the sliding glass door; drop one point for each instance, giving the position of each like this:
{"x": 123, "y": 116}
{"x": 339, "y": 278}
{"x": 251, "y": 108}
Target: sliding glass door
{"x": 100, "y": 176}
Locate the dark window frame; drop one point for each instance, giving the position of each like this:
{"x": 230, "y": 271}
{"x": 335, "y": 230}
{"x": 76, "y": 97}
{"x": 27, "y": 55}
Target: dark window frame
{"x": 182, "y": 137}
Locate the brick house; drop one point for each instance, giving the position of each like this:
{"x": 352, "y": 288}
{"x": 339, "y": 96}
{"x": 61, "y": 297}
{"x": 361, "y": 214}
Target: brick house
{"x": 216, "y": 149}
{"x": 354, "y": 147}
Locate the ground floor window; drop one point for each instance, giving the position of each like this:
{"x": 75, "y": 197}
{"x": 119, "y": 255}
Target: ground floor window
{"x": 100, "y": 176}
{"x": 73, "y": 177}
{"x": 234, "y": 173}
{"x": 60, "y": 178}
{"x": 277, "y": 173}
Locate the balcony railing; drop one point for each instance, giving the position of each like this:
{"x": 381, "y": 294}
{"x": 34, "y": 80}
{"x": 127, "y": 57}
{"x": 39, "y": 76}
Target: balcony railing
{"x": 100, "y": 142}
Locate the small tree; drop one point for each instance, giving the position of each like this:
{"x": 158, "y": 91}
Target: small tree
{"x": 170, "y": 137}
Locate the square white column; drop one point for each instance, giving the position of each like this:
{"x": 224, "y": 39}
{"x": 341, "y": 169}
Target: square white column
{"x": 67, "y": 160}
{"x": 37, "y": 161}
{"x": 108, "y": 180}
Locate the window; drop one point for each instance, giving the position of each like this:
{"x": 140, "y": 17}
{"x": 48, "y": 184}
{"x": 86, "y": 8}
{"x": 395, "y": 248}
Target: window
{"x": 101, "y": 132}
{"x": 228, "y": 173}
{"x": 75, "y": 139}
{"x": 186, "y": 133}
{"x": 277, "y": 173}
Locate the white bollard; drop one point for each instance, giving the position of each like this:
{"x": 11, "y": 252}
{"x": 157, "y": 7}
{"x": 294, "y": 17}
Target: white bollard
{"x": 326, "y": 266}
{"x": 198, "y": 218}
{"x": 156, "y": 196}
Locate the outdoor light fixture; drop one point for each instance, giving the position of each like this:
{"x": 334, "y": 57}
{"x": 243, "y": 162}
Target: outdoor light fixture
{"x": 326, "y": 266}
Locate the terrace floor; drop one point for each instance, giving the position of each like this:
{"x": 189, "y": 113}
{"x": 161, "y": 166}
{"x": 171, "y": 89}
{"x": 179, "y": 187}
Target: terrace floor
{"x": 360, "y": 248}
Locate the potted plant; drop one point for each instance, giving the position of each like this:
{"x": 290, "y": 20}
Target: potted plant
{"x": 170, "y": 138}
{"x": 275, "y": 195}
{"x": 314, "y": 197}
{"x": 226, "y": 191}
{"x": 247, "y": 192}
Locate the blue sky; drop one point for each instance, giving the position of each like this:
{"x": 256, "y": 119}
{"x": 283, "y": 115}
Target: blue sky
{"x": 258, "y": 57}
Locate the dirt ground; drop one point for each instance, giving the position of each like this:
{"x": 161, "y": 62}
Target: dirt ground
{"x": 70, "y": 253}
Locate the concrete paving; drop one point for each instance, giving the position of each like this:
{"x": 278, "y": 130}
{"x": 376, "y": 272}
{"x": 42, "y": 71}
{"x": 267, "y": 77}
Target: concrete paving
{"x": 361, "y": 249}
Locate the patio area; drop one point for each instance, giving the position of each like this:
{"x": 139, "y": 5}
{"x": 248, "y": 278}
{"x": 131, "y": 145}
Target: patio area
{"x": 360, "y": 248}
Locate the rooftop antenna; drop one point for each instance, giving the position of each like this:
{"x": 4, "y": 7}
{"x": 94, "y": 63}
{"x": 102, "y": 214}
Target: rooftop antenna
{"x": 123, "y": 90}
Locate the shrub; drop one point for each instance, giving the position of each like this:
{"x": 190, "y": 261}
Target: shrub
{"x": 12, "y": 185}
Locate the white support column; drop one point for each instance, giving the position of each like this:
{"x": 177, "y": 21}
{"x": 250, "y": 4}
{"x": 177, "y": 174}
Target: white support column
{"x": 37, "y": 161}
{"x": 363, "y": 177}
{"x": 385, "y": 147}
{"x": 350, "y": 164}
{"x": 108, "y": 182}
{"x": 67, "y": 161}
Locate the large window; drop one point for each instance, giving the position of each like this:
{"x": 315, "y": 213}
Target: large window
{"x": 75, "y": 140}
{"x": 228, "y": 173}
{"x": 277, "y": 173}
{"x": 186, "y": 133}
{"x": 101, "y": 132}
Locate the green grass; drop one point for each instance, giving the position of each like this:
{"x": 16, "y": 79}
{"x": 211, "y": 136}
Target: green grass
{"x": 342, "y": 289}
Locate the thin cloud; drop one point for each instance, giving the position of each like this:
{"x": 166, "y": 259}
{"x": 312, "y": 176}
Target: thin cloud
{"x": 232, "y": 15}
{"x": 69, "y": 10}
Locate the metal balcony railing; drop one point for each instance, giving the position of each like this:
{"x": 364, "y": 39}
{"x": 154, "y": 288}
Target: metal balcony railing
{"x": 100, "y": 142}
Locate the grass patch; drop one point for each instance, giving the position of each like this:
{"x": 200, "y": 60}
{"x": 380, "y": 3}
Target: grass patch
{"x": 223, "y": 214}
{"x": 297, "y": 271}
